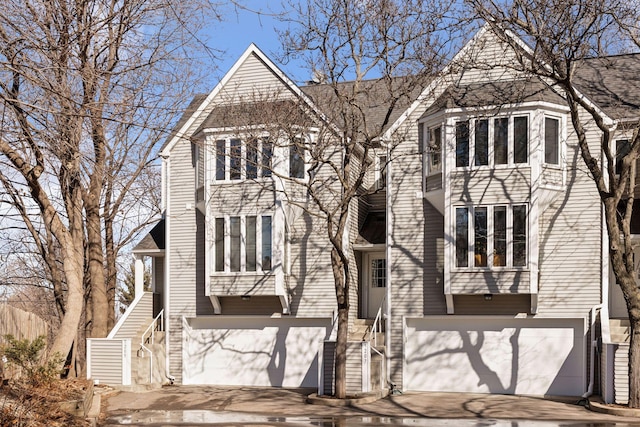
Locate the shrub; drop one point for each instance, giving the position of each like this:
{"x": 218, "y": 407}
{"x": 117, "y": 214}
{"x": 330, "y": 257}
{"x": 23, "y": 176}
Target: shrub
{"x": 27, "y": 355}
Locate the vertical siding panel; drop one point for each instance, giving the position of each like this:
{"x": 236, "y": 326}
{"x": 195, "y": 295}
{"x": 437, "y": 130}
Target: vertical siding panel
{"x": 408, "y": 243}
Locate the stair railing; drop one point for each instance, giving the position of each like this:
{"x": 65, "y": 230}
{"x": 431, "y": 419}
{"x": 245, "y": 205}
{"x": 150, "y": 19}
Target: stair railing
{"x": 377, "y": 324}
{"x": 156, "y": 324}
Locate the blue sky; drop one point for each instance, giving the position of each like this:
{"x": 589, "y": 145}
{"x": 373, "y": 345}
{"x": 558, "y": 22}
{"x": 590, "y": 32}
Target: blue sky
{"x": 241, "y": 27}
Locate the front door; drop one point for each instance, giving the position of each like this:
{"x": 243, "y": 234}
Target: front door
{"x": 376, "y": 274}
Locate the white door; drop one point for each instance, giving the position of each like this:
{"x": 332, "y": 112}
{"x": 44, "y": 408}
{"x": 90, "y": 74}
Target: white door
{"x": 376, "y": 274}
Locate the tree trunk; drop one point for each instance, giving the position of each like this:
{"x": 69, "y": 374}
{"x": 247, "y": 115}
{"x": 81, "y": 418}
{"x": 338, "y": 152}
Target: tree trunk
{"x": 342, "y": 299}
{"x": 74, "y": 268}
{"x": 99, "y": 301}
{"x": 111, "y": 272}
{"x": 341, "y": 353}
{"x": 634, "y": 364}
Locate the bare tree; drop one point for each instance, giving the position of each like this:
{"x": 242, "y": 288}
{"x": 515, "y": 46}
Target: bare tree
{"x": 86, "y": 90}
{"x": 346, "y": 43}
{"x": 569, "y": 41}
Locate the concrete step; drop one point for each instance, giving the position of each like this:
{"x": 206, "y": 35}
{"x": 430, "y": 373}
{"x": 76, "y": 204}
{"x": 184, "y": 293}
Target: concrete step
{"x": 619, "y": 330}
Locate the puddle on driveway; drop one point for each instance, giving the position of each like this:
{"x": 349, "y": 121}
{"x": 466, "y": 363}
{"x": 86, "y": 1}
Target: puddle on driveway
{"x": 222, "y": 418}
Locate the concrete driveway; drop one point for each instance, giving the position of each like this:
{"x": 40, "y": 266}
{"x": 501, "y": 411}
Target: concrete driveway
{"x": 277, "y": 402}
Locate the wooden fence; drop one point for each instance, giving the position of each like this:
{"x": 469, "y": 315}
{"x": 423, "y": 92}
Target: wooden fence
{"x": 22, "y": 325}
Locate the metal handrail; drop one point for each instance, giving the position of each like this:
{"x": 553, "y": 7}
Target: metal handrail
{"x": 377, "y": 324}
{"x": 151, "y": 327}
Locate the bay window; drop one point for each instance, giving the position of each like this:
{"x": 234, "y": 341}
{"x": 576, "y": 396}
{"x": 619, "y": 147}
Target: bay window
{"x": 243, "y": 243}
{"x": 496, "y": 141}
{"x": 491, "y": 236}
{"x": 237, "y": 159}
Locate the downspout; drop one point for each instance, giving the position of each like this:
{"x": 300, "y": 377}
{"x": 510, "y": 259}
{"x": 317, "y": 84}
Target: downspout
{"x": 167, "y": 270}
{"x": 387, "y": 310}
{"x": 592, "y": 347}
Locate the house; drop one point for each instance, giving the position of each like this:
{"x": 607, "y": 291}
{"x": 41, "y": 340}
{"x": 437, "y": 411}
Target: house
{"x": 481, "y": 256}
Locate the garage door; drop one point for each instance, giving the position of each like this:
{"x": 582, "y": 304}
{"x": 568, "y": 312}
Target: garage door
{"x": 258, "y": 351}
{"x": 495, "y": 355}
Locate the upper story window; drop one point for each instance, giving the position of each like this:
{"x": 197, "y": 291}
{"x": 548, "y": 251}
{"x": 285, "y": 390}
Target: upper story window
{"x": 296, "y": 158}
{"x": 381, "y": 172}
{"x": 243, "y": 243}
{"x": 551, "y": 140}
{"x": 237, "y": 159}
{"x": 462, "y": 144}
{"x": 493, "y": 141}
{"x": 623, "y": 147}
{"x": 491, "y": 236}
{"x": 434, "y": 150}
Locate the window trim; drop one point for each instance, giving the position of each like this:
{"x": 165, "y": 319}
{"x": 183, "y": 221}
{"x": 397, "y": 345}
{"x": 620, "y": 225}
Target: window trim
{"x": 490, "y": 236}
{"x": 242, "y": 250}
{"x": 430, "y": 151}
{"x": 472, "y": 155}
{"x": 305, "y": 157}
{"x": 260, "y": 169}
{"x": 560, "y": 140}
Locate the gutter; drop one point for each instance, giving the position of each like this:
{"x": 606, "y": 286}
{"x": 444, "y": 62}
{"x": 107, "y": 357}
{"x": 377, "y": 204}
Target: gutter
{"x": 593, "y": 345}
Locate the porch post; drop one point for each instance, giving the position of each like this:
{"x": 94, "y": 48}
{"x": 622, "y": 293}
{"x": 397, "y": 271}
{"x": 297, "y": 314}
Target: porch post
{"x": 139, "y": 276}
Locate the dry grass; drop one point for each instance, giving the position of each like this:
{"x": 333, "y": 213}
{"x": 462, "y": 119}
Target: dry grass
{"x": 25, "y": 405}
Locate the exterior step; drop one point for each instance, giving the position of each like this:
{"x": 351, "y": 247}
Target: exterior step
{"x": 619, "y": 330}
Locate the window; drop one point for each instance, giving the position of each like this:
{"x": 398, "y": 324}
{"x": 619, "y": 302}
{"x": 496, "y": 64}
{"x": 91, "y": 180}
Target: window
{"x": 237, "y": 247}
{"x": 266, "y": 243}
{"x": 551, "y": 141}
{"x": 520, "y": 139}
{"x": 462, "y": 144}
{"x": 296, "y": 159}
{"x": 498, "y": 236}
{"x": 252, "y": 159}
{"x": 482, "y": 142}
{"x": 220, "y": 159}
{"x": 462, "y": 234}
{"x": 237, "y": 159}
{"x": 501, "y": 141}
{"x": 381, "y": 172}
{"x": 435, "y": 150}
{"x": 378, "y": 273}
{"x": 497, "y": 141}
{"x": 622, "y": 149}
{"x": 267, "y": 154}
{"x": 219, "y": 244}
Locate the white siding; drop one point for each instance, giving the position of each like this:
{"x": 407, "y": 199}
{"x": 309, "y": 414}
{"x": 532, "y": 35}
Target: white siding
{"x": 136, "y": 316}
{"x": 253, "y": 80}
{"x": 108, "y": 360}
{"x": 621, "y": 373}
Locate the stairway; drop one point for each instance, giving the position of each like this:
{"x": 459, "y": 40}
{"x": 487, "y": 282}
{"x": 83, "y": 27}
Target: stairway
{"x": 619, "y": 330}
{"x": 140, "y": 358}
{"x": 361, "y": 331}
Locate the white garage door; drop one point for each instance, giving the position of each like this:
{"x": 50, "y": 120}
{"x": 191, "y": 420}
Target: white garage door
{"x": 495, "y": 355}
{"x": 258, "y": 351}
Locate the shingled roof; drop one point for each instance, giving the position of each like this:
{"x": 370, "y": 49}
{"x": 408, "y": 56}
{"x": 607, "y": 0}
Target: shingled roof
{"x": 494, "y": 93}
{"x": 612, "y": 83}
{"x": 154, "y": 241}
{"x": 374, "y": 97}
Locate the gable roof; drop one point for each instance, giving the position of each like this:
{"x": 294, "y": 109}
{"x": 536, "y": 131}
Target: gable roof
{"x": 200, "y": 106}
